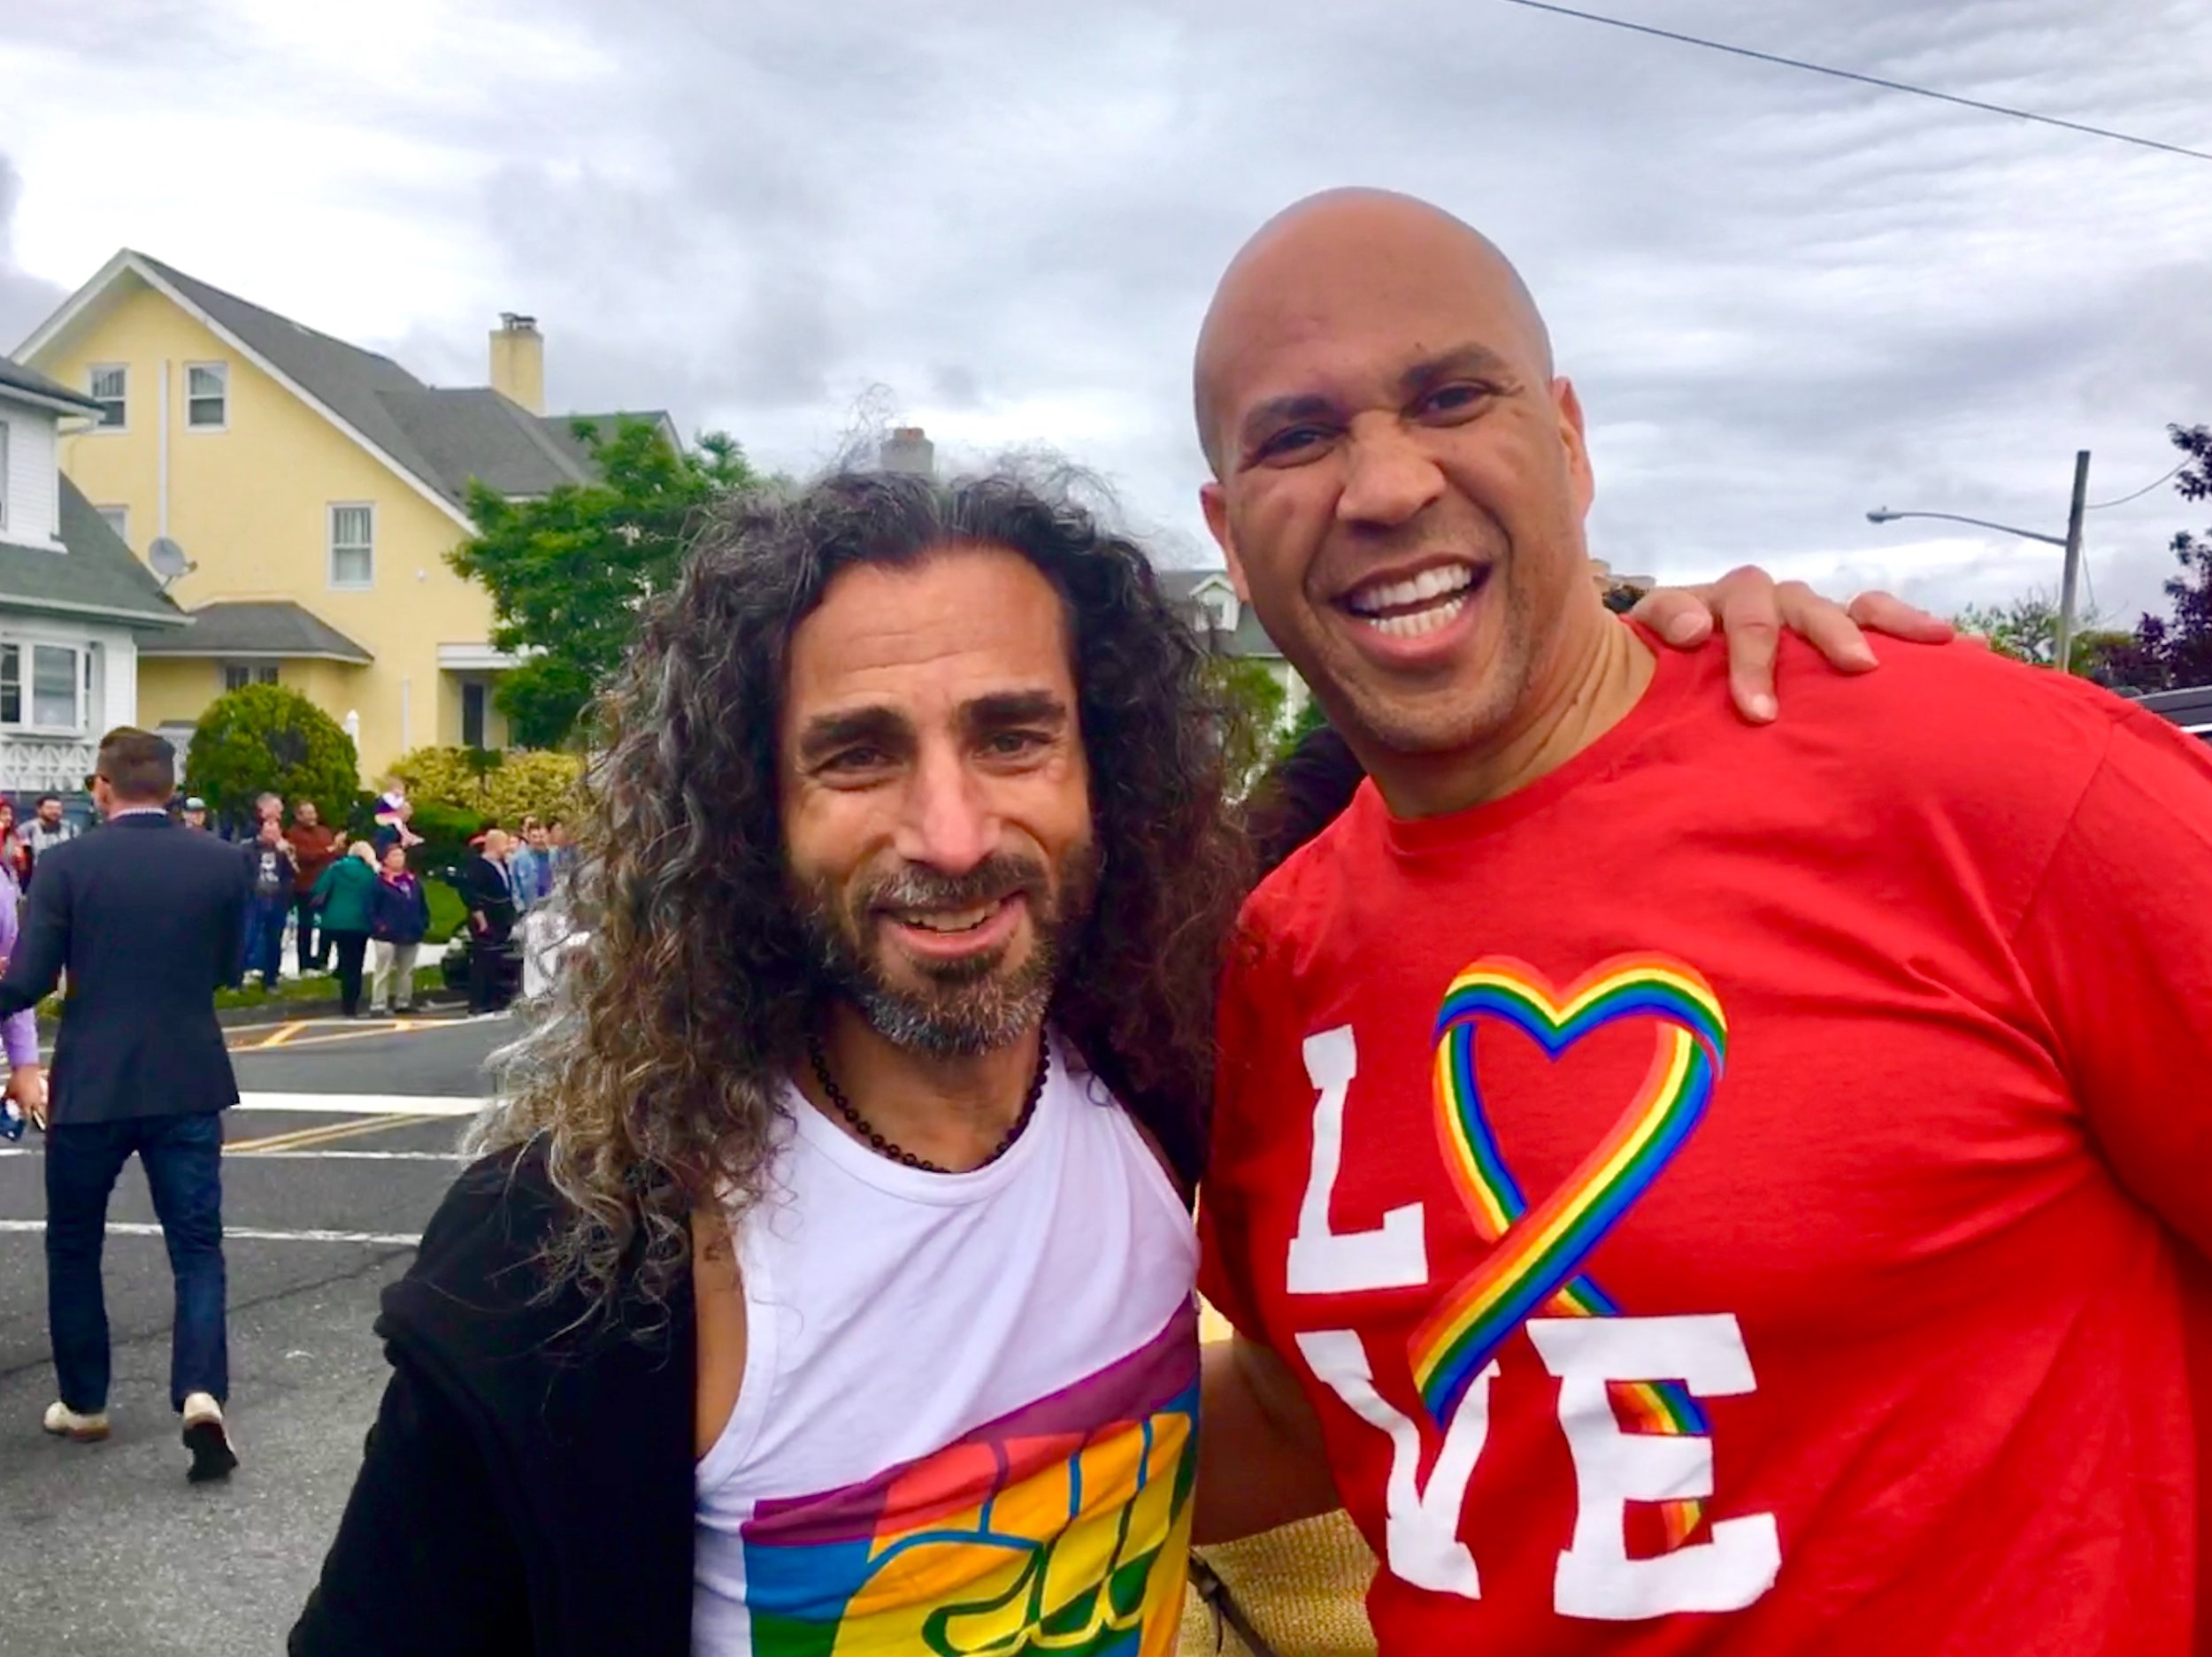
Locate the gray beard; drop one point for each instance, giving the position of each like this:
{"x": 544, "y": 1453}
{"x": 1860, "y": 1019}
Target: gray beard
{"x": 965, "y": 1008}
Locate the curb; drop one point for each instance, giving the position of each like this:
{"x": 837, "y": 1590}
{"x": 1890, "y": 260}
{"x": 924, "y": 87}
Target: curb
{"x": 292, "y": 1011}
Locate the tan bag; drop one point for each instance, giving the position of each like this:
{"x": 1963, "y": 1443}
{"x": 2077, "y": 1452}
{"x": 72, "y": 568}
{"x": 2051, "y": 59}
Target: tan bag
{"x": 1299, "y": 1592}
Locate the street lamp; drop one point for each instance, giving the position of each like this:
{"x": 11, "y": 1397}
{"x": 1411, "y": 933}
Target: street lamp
{"x": 2070, "y": 540}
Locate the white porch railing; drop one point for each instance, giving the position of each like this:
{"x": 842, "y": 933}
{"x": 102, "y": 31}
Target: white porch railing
{"x": 31, "y": 764}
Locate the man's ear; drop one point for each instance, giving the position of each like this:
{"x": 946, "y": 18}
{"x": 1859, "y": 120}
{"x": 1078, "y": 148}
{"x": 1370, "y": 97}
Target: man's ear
{"x": 1574, "y": 440}
{"x": 1215, "y": 503}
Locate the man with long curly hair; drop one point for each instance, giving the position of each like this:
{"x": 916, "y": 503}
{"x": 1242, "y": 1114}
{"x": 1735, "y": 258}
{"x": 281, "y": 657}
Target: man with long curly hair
{"x": 826, "y": 1283}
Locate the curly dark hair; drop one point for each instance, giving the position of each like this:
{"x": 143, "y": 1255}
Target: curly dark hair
{"x": 654, "y": 1087}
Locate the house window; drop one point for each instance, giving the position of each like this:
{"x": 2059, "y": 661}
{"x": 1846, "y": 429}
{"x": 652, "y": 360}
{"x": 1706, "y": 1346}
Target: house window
{"x": 352, "y": 546}
{"x": 472, "y": 716}
{"x": 207, "y": 395}
{"x": 119, "y": 520}
{"x": 110, "y": 384}
{"x": 58, "y": 688}
{"x": 238, "y": 675}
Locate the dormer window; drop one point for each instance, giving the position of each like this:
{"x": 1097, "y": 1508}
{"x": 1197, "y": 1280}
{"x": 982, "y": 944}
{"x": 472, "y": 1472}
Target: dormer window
{"x": 1221, "y": 610}
{"x": 110, "y": 386}
{"x": 207, "y": 395}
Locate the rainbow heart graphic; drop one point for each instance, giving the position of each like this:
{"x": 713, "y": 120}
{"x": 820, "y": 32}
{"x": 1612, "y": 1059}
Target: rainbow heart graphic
{"x": 1537, "y": 1260}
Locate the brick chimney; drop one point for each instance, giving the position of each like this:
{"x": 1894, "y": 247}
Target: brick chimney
{"x": 518, "y": 361}
{"x": 907, "y": 449}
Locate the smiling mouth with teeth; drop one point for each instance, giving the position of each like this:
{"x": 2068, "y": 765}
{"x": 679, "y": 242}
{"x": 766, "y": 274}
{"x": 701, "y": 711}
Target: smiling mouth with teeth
{"x": 946, "y": 920}
{"x": 1420, "y": 604}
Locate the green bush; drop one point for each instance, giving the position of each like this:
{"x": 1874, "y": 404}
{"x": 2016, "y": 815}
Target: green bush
{"x": 264, "y": 739}
{"x": 502, "y": 789}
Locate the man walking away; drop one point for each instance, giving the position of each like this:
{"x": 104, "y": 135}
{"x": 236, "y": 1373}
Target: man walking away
{"x": 485, "y": 889}
{"x": 272, "y": 884}
{"x": 315, "y": 847}
{"x": 399, "y": 919}
{"x": 145, "y": 917}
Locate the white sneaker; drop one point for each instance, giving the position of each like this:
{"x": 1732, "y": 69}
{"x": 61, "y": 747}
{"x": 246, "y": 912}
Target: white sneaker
{"x": 208, "y": 1440}
{"x": 64, "y": 1423}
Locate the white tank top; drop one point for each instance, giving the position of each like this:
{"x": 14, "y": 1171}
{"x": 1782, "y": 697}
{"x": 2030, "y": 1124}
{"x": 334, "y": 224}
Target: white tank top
{"x": 968, "y": 1417}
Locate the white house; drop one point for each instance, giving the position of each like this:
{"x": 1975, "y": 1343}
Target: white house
{"x": 73, "y": 601}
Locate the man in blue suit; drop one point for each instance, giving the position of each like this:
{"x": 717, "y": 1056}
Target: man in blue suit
{"x": 145, "y": 917}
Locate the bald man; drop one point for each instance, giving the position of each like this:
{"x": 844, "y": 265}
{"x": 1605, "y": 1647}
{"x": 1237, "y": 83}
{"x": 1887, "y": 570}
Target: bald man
{"x": 1686, "y": 1186}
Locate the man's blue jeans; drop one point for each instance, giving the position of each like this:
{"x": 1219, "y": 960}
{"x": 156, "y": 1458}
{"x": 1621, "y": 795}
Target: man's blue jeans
{"x": 184, "y": 1159}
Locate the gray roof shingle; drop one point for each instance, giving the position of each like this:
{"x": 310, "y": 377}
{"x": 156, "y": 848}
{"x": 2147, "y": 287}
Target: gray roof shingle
{"x": 251, "y": 628}
{"x": 96, "y": 576}
{"x": 479, "y": 433}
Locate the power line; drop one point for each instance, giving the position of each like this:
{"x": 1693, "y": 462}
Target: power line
{"x": 1871, "y": 81}
{"x": 2098, "y": 506}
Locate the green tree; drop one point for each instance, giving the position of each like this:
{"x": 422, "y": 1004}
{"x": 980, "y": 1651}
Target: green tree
{"x": 568, "y": 572}
{"x": 2026, "y": 629}
{"x": 1254, "y": 698}
{"x": 264, "y": 739}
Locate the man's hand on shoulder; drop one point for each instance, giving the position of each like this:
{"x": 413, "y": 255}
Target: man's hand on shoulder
{"x": 1752, "y": 610}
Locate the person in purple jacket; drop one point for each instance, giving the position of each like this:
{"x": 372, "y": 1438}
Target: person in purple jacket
{"x": 19, "y": 1031}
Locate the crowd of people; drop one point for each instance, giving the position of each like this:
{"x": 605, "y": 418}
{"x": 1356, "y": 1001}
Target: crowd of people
{"x": 353, "y": 906}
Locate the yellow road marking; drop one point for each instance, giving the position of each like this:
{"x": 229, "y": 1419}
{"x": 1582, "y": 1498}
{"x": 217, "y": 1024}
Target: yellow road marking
{"x": 282, "y": 1034}
{"x": 396, "y": 1027}
{"x": 301, "y": 1138}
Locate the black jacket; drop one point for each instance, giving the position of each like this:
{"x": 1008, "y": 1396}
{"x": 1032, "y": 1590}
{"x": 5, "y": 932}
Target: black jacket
{"x": 146, "y": 916}
{"x": 484, "y": 889}
{"x": 527, "y": 1486}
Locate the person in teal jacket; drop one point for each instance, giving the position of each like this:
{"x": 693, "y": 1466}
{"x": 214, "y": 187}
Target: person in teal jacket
{"x": 343, "y": 895}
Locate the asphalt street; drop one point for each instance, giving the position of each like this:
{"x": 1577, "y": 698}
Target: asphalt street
{"x": 342, "y": 1143}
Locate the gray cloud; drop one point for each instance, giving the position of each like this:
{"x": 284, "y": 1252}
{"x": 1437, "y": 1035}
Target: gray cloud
{"x": 26, "y": 301}
{"x": 1785, "y": 299}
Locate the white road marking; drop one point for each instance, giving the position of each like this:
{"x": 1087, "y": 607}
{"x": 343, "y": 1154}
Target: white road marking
{"x": 243, "y": 1233}
{"x": 363, "y": 1104}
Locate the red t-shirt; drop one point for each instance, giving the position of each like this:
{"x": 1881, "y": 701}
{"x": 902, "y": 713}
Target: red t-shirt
{"x": 1861, "y": 1199}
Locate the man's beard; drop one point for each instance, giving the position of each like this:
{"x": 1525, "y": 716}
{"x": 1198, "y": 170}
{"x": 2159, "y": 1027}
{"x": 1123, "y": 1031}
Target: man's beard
{"x": 961, "y": 1007}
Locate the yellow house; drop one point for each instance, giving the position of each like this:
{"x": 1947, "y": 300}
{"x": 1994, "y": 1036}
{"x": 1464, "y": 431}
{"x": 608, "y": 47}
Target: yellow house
{"x": 300, "y": 495}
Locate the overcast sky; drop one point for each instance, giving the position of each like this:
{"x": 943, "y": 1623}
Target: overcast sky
{"x": 1785, "y": 299}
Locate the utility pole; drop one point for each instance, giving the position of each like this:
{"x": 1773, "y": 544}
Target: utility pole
{"x": 2064, "y": 659}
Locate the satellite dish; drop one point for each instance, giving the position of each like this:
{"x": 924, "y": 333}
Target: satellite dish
{"x": 168, "y": 560}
